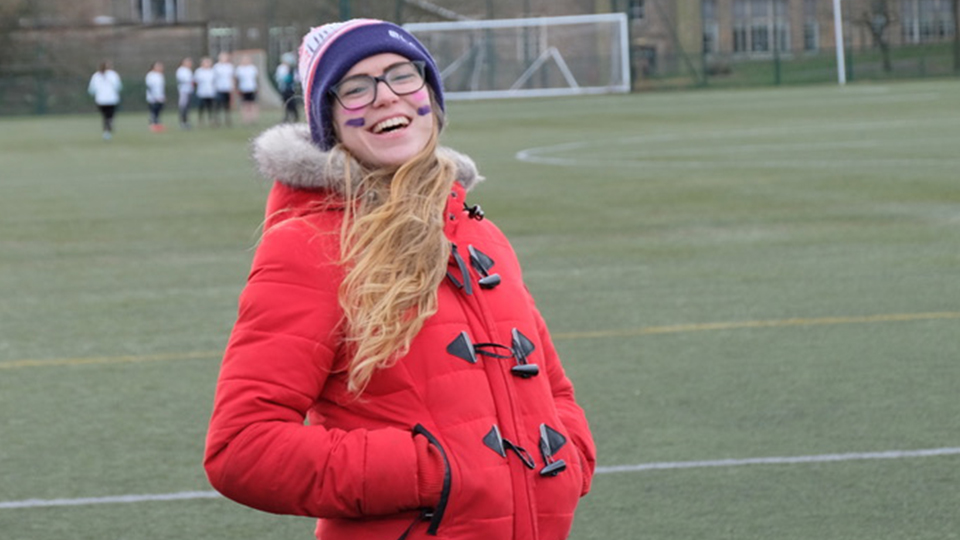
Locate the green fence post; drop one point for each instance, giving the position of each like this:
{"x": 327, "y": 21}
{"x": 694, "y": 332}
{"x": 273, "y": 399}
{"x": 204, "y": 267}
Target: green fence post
{"x": 41, "y": 106}
{"x": 849, "y": 54}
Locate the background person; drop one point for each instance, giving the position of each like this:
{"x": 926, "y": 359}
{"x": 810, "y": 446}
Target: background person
{"x": 105, "y": 87}
{"x": 286, "y": 79}
{"x": 247, "y": 76}
{"x": 156, "y": 95}
{"x": 184, "y": 91}
{"x": 391, "y": 315}
{"x": 223, "y": 81}
{"x": 206, "y": 91}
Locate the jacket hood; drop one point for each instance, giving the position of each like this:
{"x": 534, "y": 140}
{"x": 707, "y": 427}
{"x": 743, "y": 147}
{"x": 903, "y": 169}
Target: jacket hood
{"x": 287, "y": 154}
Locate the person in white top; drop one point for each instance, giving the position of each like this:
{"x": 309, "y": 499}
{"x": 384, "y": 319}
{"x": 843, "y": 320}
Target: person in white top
{"x": 184, "y": 91}
{"x": 286, "y": 79}
{"x": 223, "y": 81}
{"x": 156, "y": 95}
{"x": 206, "y": 91}
{"x": 247, "y": 83}
{"x": 105, "y": 87}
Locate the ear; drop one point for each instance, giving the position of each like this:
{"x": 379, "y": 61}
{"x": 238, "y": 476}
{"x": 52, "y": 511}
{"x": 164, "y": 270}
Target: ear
{"x": 438, "y": 113}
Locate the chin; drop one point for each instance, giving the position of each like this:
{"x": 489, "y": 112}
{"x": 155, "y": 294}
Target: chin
{"x": 392, "y": 158}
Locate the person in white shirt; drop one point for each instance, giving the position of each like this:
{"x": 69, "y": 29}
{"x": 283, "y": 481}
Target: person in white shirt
{"x": 156, "y": 95}
{"x": 223, "y": 81}
{"x": 184, "y": 91}
{"x": 247, "y": 83}
{"x": 286, "y": 79}
{"x": 105, "y": 87}
{"x": 206, "y": 91}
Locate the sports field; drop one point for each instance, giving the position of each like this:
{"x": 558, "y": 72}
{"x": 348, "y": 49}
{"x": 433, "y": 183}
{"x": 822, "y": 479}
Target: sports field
{"x": 756, "y": 293}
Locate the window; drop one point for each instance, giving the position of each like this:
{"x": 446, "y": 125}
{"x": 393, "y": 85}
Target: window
{"x": 926, "y": 20}
{"x": 739, "y": 39}
{"x": 811, "y": 26}
{"x": 711, "y": 27}
{"x": 711, "y": 36}
{"x": 158, "y": 11}
{"x": 637, "y": 9}
{"x": 759, "y": 39}
{"x": 761, "y": 27}
{"x": 708, "y": 10}
{"x": 759, "y": 8}
{"x": 811, "y": 36}
{"x": 647, "y": 56}
{"x": 283, "y": 39}
{"x": 222, "y": 39}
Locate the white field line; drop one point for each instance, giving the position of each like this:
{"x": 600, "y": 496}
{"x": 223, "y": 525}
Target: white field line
{"x": 643, "y": 150}
{"x": 785, "y": 460}
{"x": 86, "y": 501}
{"x": 666, "y": 465}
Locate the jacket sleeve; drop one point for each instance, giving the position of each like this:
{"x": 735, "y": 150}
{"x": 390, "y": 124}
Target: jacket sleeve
{"x": 571, "y": 414}
{"x": 280, "y": 354}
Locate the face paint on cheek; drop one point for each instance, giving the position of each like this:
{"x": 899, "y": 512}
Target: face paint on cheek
{"x": 355, "y": 122}
{"x": 422, "y": 96}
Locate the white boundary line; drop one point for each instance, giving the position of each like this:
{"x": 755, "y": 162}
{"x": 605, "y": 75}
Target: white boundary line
{"x": 787, "y": 460}
{"x": 86, "y": 501}
{"x": 666, "y": 465}
{"x": 573, "y": 154}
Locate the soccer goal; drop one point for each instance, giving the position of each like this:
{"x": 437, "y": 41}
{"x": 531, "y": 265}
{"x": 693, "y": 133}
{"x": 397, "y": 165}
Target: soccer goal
{"x": 533, "y": 57}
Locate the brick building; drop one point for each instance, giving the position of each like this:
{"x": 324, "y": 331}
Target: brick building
{"x": 42, "y": 40}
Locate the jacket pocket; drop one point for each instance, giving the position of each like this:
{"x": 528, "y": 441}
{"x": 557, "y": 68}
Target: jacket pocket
{"x": 436, "y": 515}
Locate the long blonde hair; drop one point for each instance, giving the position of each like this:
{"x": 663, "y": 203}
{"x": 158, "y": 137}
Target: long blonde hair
{"x": 395, "y": 254}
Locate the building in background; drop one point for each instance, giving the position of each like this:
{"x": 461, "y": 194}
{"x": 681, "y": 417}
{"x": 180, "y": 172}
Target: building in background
{"x": 43, "y": 41}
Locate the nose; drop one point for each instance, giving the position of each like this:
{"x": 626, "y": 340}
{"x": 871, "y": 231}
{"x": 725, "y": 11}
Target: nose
{"x": 385, "y": 96}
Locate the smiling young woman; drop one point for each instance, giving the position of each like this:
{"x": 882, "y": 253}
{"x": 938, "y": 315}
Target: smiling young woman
{"x": 390, "y": 116}
{"x": 388, "y": 370}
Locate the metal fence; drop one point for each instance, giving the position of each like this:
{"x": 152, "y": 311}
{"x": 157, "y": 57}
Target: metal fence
{"x": 50, "y": 71}
{"x": 47, "y": 71}
{"x": 904, "y": 62}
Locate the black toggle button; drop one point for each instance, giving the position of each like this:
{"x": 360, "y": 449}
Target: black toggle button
{"x": 462, "y": 348}
{"x": 554, "y": 468}
{"x": 551, "y": 441}
{"x": 525, "y": 371}
{"x": 489, "y": 282}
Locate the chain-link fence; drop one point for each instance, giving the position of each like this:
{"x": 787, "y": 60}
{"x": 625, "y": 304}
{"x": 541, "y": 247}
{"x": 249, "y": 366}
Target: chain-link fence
{"x": 47, "y": 71}
{"x": 653, "y": 72}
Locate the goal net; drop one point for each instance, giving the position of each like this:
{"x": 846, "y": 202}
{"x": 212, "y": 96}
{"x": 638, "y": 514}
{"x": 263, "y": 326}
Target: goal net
{"x": 533, "y": 57}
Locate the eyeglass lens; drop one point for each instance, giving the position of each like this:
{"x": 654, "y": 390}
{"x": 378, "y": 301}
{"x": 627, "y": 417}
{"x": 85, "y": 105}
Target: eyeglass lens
{"x": 361, "y": 90}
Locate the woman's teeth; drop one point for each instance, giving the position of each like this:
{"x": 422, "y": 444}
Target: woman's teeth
{"x": 391, "y": 124}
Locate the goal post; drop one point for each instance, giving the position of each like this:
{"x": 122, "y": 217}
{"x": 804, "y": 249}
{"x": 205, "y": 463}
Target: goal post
{"x": 531, "y": 57}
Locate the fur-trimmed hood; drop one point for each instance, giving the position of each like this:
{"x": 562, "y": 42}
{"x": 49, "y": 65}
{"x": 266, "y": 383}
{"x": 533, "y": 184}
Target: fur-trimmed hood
{"x": 286, "y": 153}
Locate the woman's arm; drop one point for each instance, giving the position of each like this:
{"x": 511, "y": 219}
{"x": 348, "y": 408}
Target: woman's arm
{"x": 280, "y": 354}
{"x": 571, "y": 414}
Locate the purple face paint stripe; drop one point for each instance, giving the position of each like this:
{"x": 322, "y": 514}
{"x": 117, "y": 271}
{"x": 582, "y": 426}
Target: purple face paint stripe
{"x": 355, "y": 122}
{"x": 425, "y": 110}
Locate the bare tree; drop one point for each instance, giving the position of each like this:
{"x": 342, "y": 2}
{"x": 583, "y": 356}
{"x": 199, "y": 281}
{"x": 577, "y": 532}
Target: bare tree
{"x": 11, "y": 11}
{"x": 877, "y": 16}
{"x": 956, "y": 35}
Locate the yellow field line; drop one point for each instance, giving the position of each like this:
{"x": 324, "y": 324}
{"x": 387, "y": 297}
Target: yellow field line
{"x": 738, "y": 325}
{"x": 109, "y": 359}
{"x": 627, "y": 332}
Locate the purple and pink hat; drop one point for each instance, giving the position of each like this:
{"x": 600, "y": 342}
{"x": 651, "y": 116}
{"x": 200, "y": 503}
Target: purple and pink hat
{"x": 328, "y": 52}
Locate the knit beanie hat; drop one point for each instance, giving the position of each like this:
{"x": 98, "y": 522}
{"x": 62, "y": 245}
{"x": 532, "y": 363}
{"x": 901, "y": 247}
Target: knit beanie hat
{"x": 328, "y": 52}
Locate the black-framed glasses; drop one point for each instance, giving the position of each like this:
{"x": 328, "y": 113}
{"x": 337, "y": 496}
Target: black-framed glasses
{"x": 361, "y": 90}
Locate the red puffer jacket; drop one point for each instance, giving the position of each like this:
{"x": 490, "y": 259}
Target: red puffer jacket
{"x": 481, "y": 387}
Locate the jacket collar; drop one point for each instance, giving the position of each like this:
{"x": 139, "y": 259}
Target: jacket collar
{"x": 287, "y": 154}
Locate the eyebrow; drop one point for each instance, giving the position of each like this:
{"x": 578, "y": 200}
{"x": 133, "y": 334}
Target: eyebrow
{"x": 386, "y": 69}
